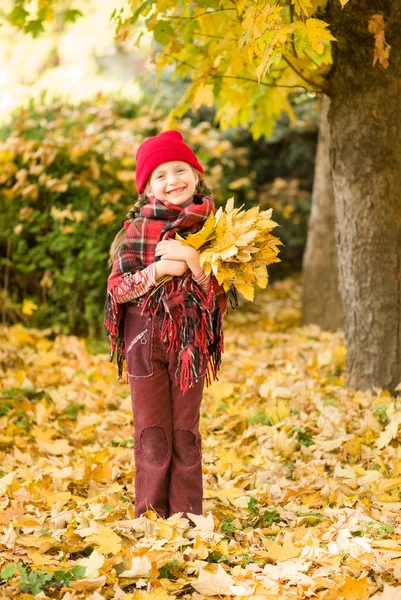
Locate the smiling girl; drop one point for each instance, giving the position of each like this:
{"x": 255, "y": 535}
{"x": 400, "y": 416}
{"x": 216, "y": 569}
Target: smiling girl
{"x": 171, "y": 336}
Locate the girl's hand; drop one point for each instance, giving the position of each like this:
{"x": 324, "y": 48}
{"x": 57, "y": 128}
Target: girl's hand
{"x": 170, "y": 267}
{"x": 174, "y": 250}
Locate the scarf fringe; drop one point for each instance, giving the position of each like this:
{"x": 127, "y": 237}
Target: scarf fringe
{"x": 114, "y": 324}
{"x": 186, "y": 372}
{"x": 192, "y": 326}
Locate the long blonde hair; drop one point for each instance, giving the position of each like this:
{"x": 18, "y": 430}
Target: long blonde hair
{"x": 143, "y": 198}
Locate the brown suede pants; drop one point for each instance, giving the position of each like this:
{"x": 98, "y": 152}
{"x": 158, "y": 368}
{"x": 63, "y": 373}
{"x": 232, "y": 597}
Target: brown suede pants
{"x": 167, "y": 441}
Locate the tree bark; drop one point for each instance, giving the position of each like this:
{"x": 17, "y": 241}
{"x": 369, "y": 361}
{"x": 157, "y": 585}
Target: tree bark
{"x": 365, "y": 121}
{"x": 321, "y": 300}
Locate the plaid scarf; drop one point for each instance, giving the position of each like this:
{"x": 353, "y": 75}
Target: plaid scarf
{"x": 192, "y": 322}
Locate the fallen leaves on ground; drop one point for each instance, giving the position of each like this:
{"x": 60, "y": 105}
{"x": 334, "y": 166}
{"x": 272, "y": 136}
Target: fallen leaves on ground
{"x": 302, "y": 476}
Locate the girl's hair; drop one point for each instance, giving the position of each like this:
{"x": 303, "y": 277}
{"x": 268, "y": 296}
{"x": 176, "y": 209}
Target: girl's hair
{"x": 201, "y": 188}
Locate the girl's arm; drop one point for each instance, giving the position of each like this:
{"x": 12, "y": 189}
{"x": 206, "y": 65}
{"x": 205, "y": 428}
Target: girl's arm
{"x": 198, "y": 274}
{"x": 128, "y": 286}
{"x": 174, "y": 250}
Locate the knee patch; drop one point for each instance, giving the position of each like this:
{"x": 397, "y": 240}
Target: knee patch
{"x": 185, "y": 447}
{"x": 154, "y": 444}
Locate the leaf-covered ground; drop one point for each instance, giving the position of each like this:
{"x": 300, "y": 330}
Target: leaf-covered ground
{"x": 302, "y": 476}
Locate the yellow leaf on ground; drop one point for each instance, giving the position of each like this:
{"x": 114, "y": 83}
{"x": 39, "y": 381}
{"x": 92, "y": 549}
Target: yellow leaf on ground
{"x": 213, "y": 584}
{"x": 60, "y": 498}
{"x": 389, "y": 593}
{"x": 280, "y": 552}
{"x": 200, "y": 549}
{"x": 220, "y": 390}
{"x": 140, "y": 567}
{"x": 386, "y": 545}
{"x": 356, "y": 589}
{"x": 157, "y": 594}
{"x": 92, "y": 564}
{"x": 106, "y": 541}
{"x": 56, "y": 447}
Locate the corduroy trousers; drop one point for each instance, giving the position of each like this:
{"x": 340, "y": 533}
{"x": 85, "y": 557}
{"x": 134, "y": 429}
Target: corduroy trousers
{"x": 167, "y": 441}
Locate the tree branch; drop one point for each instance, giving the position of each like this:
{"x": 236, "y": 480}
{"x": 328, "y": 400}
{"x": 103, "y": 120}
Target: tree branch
{"x": 258, "y": 82}
{"x": 291, "y": 21}
{"x": 208, "y": 12}
{"x": 311, "y": 83}
{"x": 311, "y": 59}
{"x": 239, "y": 77}
{"x": 218, "y": 37}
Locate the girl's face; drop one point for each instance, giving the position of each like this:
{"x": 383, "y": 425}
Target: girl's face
{"x": 174, "y": 181}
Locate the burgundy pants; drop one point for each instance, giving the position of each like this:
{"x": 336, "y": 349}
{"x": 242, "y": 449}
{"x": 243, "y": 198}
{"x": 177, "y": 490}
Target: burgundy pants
{"x": 167, "y": 441}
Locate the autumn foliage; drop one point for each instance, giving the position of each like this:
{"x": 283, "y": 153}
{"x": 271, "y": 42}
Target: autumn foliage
{"x": 301, "y": 474}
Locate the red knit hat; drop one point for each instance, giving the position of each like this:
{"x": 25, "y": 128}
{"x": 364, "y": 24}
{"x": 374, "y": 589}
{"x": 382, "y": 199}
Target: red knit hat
{"x": 168, "y": 145}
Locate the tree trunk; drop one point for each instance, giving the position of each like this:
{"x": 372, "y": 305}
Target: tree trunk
{"x": 365, "y": 121}
{"x": 321, "y": 300}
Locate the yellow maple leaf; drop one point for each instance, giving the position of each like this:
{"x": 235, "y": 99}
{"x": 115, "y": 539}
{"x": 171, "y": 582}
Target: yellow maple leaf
{"x": 106, "y": 541}
{"x": 55, "y": 447}
{"x": 302, "y": 6}
{"x": 203, "y": 95}
{"x": 230, "y": 458}
{"x": 200, "y": 549}
{"x": 239, "y": 183}
{"x": 107, "y": 217}
{"x": 317, "y": 32}
{"x": 92, "y": 564}
{"x": 220, "y": 390}
{"x": 261, "y": 276}
{"x": 198, "y": 239}
{"x": 356, "y": 589}
{"x": 140, "y": 567}
{"x": 157, "y": 594}
{"x": 213, "y": 584}
{"x": 281, "y": 552}
{"x": 247, "y": 290}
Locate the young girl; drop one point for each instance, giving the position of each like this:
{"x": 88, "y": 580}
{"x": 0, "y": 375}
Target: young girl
{"x": 170, "y": 335}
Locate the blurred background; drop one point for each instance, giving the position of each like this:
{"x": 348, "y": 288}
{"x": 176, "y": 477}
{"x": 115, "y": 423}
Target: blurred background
{"x": 75, "y": 103}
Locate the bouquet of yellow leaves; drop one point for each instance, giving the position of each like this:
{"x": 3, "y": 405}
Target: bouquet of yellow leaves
{"x": 236, "y": 246}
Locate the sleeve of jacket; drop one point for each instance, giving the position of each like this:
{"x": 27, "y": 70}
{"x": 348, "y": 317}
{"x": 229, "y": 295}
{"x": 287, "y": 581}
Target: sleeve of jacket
{"x": 212, "y": 289}
{"x": 202, "y": 280}
{"x": 128, "y": 286}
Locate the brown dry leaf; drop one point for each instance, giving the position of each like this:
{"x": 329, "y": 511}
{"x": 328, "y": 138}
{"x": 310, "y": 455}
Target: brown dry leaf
{"x": 381, "y": 53}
